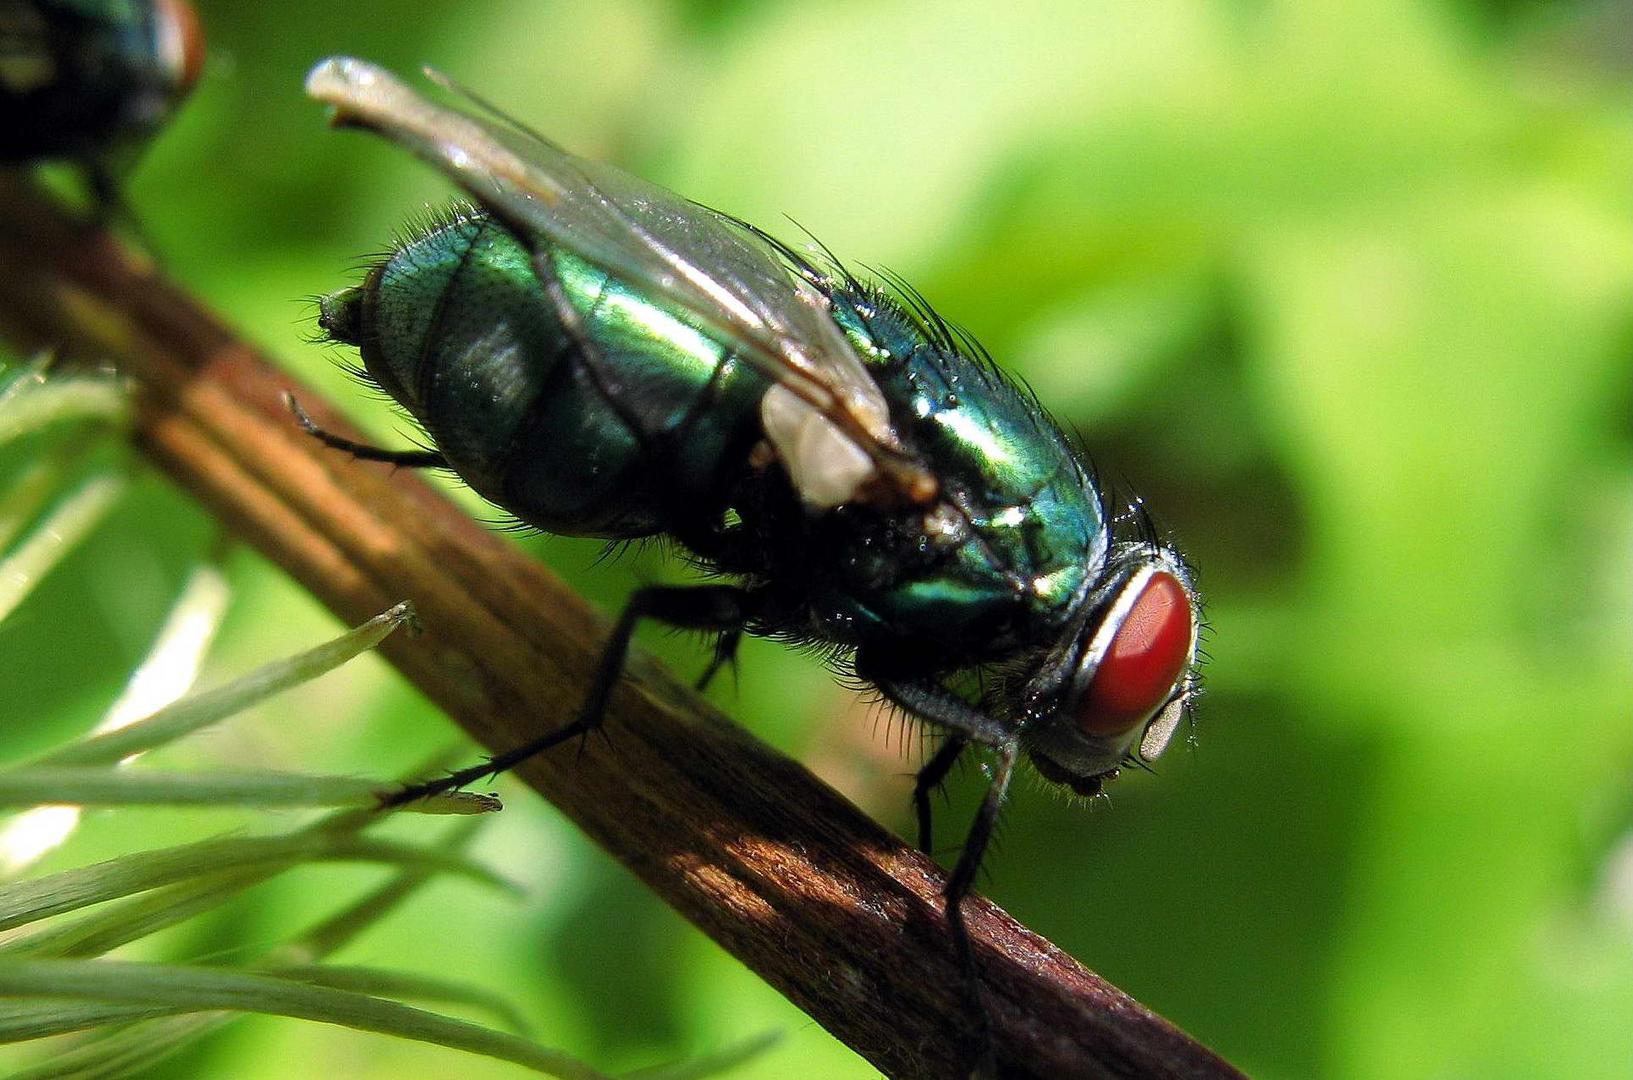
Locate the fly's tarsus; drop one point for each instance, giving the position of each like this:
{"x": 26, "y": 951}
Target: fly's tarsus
{"x": 408, "y": 459}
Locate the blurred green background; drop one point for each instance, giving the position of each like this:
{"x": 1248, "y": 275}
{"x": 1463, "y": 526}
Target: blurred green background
{"x": 1343, "y": 290}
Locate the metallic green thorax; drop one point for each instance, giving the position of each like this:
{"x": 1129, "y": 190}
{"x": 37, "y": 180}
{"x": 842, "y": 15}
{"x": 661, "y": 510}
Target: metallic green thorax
{"x": 635, "y": 421}
{"x": 1005, "y": 558}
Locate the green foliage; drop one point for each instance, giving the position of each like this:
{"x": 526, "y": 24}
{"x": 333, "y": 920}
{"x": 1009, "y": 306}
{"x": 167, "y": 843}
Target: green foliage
{"x": 59, "y": 981}
{"x": 1340, "y": 289}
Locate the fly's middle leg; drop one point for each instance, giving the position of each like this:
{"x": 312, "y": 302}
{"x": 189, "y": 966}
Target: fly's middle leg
{"x": 929, "y": 779}
{"x": 725, "y": 655}
{"x": 721, "y": 608}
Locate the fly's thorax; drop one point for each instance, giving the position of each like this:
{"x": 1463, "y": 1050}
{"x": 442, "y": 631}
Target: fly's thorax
{"x": 1008, "y": 470}
{"x": 964, "y": 582}
{"x": 1120, "y": 689}
{"x": 1108, "y": 636}
{"x": 998, "y": 564}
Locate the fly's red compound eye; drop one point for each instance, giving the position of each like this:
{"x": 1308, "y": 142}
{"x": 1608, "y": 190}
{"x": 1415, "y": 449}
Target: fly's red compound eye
{"x": 1148, "y": 654}
{"x": 181, "y": 41}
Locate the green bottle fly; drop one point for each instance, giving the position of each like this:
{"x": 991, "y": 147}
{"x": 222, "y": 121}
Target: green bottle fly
{"x": 600, "y": 357}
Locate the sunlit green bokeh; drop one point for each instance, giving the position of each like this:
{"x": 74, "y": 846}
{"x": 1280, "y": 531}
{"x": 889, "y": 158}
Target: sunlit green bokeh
{"x": 1343, "y": 290}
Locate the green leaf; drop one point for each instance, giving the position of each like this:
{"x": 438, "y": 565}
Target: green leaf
{"x": 94, "y": 785}
{"x": 41, "y": 478}
{"x": 28, "y": 901}
{"x": 168, "y": 986}
{"x": 139, "y": 916}
{"x": 22, "y": 1021}
{"x": 203, "y": 709}
{"x": 55, "y": 536}
{"x": 709, "y": 1065}
{"x": 381, "y": 982}
{"x": 32, "y": 403}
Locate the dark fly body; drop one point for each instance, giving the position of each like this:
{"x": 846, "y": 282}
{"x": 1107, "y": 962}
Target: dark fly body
{"x": 91, "y": 81}
{"x": 600, "y": 357}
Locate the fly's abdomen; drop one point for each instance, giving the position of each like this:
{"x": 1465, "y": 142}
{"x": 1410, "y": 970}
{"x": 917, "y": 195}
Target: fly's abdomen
{"x": 589, "y": 409}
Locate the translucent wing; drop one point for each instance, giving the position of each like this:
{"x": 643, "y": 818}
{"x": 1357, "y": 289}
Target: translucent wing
{"x": 826, "y": 415}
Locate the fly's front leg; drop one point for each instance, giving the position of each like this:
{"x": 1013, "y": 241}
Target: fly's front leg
{"x": 958, "y": 886}
{"x": 928, "y": 699}
{"x": 722, "y": 608}
{"x": 409, "y": 459}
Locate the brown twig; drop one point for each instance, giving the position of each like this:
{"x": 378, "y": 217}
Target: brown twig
{"x": 829, "y": 908}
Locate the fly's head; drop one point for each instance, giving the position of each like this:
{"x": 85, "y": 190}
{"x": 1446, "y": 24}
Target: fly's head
{"x": 1118, "y": 693}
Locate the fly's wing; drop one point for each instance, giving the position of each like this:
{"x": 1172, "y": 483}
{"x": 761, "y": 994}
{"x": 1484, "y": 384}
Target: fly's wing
{"x": 826, "y": 415}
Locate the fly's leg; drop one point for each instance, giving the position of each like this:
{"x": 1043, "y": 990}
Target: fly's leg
{"x": 411, "y": 459}
{"x": 958, "y": 886}
{"x": 929, "y": 779}
{"x": 104, "y": 182}
{"x": 725, "y": 655}
{"x": 691, "y": 607}
{"x": 928, "y": 699}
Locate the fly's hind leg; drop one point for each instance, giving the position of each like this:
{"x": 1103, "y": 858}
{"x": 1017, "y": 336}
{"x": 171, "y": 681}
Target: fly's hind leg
{"x": 410, "y": 459}
{"x": 721, "y": 608}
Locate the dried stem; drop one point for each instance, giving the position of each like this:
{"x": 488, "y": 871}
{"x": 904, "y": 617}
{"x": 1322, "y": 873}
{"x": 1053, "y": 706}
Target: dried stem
{"x": 829, "y": 908}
